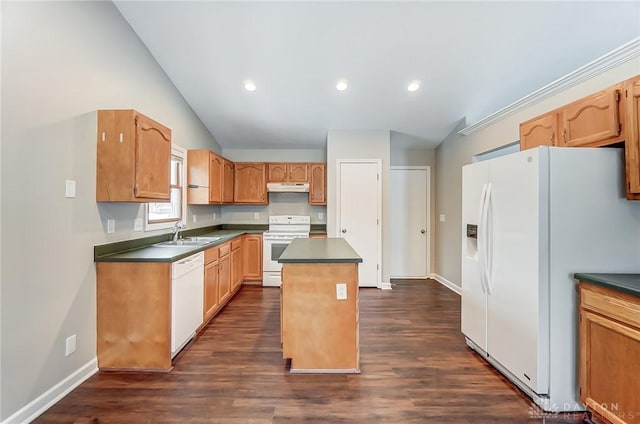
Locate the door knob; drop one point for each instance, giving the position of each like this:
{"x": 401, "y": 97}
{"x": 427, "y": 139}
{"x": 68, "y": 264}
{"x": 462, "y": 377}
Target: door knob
{"x": 344, "y": 230}
{"x": 422, "y": 231}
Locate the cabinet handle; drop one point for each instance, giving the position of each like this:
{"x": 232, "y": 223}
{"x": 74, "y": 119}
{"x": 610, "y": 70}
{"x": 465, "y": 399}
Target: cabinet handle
{"x": 344, "y": 230}
{"x": 553, "y": 138}
{"x": 121, "y": 137}
{"x": 422, "y": 231}
{"x": 104, "y": 136}
{"x": 564, "y": 135}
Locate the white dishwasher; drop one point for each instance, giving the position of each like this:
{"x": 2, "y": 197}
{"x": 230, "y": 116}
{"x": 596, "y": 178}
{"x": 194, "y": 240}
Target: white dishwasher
{"x": 187, "y": 292}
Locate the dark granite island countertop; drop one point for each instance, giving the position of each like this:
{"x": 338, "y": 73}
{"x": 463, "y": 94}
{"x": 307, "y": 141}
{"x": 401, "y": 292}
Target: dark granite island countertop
{"x": 319, "y": 250}
{"x": 628, "y": 283}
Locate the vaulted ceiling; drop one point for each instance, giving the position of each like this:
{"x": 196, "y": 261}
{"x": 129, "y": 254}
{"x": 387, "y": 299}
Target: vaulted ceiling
{"x": 471, "y": 58}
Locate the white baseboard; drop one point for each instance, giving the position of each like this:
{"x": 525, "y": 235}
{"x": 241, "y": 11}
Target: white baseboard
{"x": 36, "y": 407}
{"x": 448, "y": 284}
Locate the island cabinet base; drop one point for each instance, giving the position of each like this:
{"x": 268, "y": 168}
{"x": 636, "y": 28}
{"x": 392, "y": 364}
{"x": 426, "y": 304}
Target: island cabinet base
{"x": 320, "y": 333}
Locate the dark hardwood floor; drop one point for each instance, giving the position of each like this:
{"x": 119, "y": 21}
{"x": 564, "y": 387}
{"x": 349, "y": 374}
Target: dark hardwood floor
{"x": 415, "y": 366}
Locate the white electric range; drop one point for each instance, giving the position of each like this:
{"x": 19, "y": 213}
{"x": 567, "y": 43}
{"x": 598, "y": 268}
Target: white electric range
{"x": 282, "y": 230}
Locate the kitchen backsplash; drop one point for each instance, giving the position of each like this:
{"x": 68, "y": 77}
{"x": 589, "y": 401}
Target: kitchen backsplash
{"x": 279, "y": 204}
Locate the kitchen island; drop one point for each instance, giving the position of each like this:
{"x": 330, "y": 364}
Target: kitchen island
{"x": 319, "y": 326}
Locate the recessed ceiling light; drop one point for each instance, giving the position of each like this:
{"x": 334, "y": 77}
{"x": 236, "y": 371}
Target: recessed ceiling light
{"x": 342, "y": 85}
{"x": 414, "y": 86}
{"x": 249, "y": 85}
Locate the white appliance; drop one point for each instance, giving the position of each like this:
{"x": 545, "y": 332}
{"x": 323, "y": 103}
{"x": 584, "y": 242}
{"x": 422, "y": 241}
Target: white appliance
{"x": 288, "y": 187}
{"x": 282, "y": 230}
{"x": 187, "y": 300}
{"x": 529, "y": 221}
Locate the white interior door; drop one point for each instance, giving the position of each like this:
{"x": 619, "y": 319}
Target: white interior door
{"x": 359, "y": 209}
{"x": 409, "y": 222}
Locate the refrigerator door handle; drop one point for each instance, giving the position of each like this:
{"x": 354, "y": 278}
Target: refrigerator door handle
{"x": 488, "y": 240}
{"x": 482, "y": 235}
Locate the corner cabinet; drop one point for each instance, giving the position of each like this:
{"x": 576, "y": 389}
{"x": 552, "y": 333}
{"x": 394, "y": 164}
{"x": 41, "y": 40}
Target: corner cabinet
{"x": 318, "y": 184}
{"x": 204, "y": 177}
{"x": 250, "y": 186}
{"x": 133, "y": 158}
{"x": 632, "y": 137}
{"x": 610, "y": 353}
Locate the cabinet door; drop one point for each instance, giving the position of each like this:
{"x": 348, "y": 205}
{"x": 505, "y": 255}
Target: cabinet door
{"x": 198, "y": 162}
{"x": 592, "y": 121}
{"x": 540, "y": 131}
{"x": 216, "y": 169}
{"x": 277, "y": 172}
{"x": 224, "y": 278}
{"x": 252, "y": 257}
{"x": 250, "y": 183}
{"x": 609, "y": 352}
{"x": 152, "y": 160}
{"x": 632, "y": 137}
{"x": 318, "y": 184}
{"x": 236, "y": 264}
{"x": 298, "y": 172}
{"x": 211, "y": 289}
{"x": 227, "y": 182}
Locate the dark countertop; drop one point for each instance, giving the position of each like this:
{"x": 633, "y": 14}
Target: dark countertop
{"x": 628, "y": 283}
{"x": 319, "y": 250}
{"x": 132, "y": 251}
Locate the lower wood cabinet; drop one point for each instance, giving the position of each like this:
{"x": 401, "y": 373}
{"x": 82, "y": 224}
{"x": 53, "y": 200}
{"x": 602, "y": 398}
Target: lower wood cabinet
{"x": 211, "y": 283}
{"x": 252, "y": 257}
{"x": 237, "y": 264}
{"x": 224, "y": 273}
{"x": 610, "y": 353}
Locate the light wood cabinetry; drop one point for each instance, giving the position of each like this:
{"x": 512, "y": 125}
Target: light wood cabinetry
{"x": 237, "y": 264}
{"x": 592, "y": 121}
{"x": 539, "y": 131}
{"x": 287, "y": 172}
{"x": 227, "y": 182}
{"x": 252, "y": 257}
{"x": 316, "y": 235}
{"x": 610, "y": 353}
{"x": 250, "y": 185}
{"x": 318, "y": 184}
{"x": 632, "y": 137}
{"x": 133, "y": 315}
{"x": 209, "y": 178}
{"x": 133, "y": 158}
{"x": 211, "y": 286}
{"x": 224, "y": 272}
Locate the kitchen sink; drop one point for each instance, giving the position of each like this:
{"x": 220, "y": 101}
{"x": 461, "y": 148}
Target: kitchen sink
{"x": 188, "y": 241}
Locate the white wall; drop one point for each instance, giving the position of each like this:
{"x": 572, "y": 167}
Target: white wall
{"x": 457, "y": 150}
{"x": 61, "y": 61}
{"x": 360, "y": 145}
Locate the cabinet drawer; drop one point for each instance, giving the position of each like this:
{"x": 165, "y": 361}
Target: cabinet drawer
{"x": 224, "y": 249}
{"x": 236, "y": 244}
{"x": 619, "y": 306}
{"x": 211, "y": 255}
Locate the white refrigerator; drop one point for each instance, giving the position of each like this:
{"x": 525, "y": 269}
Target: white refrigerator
{"x": 529, "y": 221}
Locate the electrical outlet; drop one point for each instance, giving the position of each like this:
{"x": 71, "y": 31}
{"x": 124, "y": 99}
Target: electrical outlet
{"x": 320, "y": 215}
{"x": 341, "y": 291}
{"x": 137, "y": 224}
{"x": 256, "y": 215}
{"x": 214, "y": 216}
{"x": 194, "y": 218}
{"x": 111, "y": 226}
{"x": 70, "y": 345}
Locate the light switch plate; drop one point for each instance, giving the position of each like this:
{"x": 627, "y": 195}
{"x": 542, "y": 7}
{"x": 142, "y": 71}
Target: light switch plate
{"x": 70, "y": 345}
{"x": 442, "y": 217}
{"x": 256, "y": 215}
{"x": 111, "y": 226}
{"x": 341, "y": 291}
{"x": 70, "y": 188}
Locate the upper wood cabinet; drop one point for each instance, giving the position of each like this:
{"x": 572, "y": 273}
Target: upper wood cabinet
{"x": 133, "y": 158}
{"x": 318, "y": 184}
{"x": 250, "y": 183}
{"x": 227, "y": 182}
{"x": 291, "y": 172}
{"x": 209, "y": 178}
{"x": 632, "y": 137}
{"x": 539, "y": 131}
{"x": 593, "y": 120}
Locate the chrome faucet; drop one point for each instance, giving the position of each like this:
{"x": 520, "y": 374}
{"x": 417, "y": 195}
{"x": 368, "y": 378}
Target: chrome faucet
{"x": 176, "y": 230}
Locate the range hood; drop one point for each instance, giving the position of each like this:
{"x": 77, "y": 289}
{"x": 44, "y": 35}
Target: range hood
{"x": 288, "y": 187}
